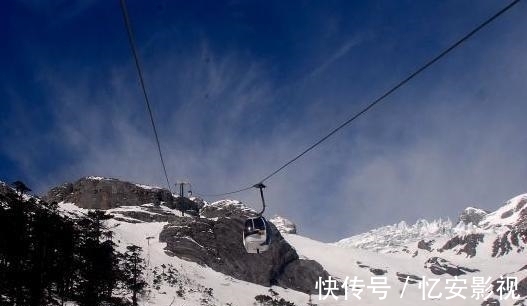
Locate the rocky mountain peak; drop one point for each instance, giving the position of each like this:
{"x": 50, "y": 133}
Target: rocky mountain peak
{"x": 211, "y": 236}
{"x": 512, "y": 214}
{"x": 95, "y": 192}
{"x": 394, "y": 236}
{"x": 472, "y": 215}
{"x": 215, "y": 240}
{"x": 284, "y": 226}
{"x": 226, "y": 209}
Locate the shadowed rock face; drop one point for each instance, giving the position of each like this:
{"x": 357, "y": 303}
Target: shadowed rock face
{"x": 284, "y": 225}
{"x": 97, "y": 193}
{"x": 472, "y": 215}
{"x": 107, "y": 193}
{"x": 425, "y": 245}
{"x": 520, "y": 292}
{"x": 440, "y": 266}
{"x": 214, "y": 240}
{"x": 522, "y": 289}
{"x": 508, "y": 242}
{"x": 217, "y": 243}
{"x": 469, "y": 242}
{"x": 302, "y": 274}
{"x": 491, "y": 302}
{"x": 411, "y": 279}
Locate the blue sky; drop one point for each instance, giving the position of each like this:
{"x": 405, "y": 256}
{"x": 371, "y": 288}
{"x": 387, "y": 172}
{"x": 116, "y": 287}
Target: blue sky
{"x": 239, "y": 87}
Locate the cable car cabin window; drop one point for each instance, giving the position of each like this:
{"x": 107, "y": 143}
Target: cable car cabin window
{"x": 249, "y": 227}
{"x": 259, "y": 223}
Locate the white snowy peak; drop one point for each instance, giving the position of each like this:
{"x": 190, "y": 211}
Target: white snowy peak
{"x": 283, "y": 225}
{"x": 401, "y": 236}
{"x": 513, "y": 213}
{"x": 472, "y": 215}
{"x": 397, "y": 235}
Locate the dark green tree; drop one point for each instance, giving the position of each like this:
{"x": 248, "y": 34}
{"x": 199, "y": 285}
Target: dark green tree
{"x": 132, "y": 267}
{"x": 97, "y": 261}
{"x": 47, "y": 258}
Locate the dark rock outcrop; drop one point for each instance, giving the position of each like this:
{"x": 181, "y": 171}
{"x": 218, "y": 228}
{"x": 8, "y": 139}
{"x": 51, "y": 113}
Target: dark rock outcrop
{"x": 98, "y": 193}
{"x": 508, "y": 241}
{"x": 499, "y": 284}
{"x": 440, "y": 266}
{"x": 285, "y": 226}
{"x": 521, "y": 224}
{"x": 216, "y": 241}
{"x": 491, "y": 302}
{"x": 522, "y": 288}
{"x": 412, "y": 279}
{"x": 106, "y": 193}
{"x": 472, "y": 215}
{"x": 469, "y": 243}
{"x": 300, "y": 274}
{"x": 425, "y": 245}
{"x": 507, "y": 214}
{"x": 376, "y": 271}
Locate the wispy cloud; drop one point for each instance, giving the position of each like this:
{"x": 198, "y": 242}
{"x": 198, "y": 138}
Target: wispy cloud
{"x": 454, "y": 138}
{"x": 337, "y": 55}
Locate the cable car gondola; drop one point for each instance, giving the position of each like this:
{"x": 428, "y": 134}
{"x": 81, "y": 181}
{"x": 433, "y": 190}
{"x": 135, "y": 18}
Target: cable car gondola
{"x": 257, "y": 232}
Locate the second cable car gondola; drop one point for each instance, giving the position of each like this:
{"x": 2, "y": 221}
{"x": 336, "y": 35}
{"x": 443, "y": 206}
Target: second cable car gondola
{"x": 257, "y": 231}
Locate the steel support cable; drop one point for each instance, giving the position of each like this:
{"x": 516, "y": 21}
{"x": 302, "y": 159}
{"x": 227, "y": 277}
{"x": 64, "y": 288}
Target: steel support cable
{"x": 384, "y": 95}
{"x": 133, "y": 46}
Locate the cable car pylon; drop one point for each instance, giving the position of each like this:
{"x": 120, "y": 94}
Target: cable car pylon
{"x": 180, "y": 184}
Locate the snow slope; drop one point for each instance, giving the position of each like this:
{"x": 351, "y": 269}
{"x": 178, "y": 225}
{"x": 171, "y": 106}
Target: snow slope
{"x": 350, "y": 262}
{"x": 391, "y": 253}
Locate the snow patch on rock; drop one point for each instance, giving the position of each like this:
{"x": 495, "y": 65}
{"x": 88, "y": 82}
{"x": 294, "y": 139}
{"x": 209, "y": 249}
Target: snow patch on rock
{"x": 284, "y": 226}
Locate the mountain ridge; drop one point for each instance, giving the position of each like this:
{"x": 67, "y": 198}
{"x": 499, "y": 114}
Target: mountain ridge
{"x": 493, "y": 248}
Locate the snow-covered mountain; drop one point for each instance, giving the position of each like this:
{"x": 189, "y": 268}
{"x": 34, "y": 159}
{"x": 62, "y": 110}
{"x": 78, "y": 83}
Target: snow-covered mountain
{"x": 198, "y": 259}
{"x": 393, "y": 238}
{"x": 507, "y": 222}
{"x": 284, "y": 225}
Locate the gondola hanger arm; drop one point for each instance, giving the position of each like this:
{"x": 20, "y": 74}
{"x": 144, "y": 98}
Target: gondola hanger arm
{"x": 261, "y": 186}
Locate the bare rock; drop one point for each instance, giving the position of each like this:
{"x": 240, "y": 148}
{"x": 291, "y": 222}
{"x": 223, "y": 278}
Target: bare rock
{"x": 425, "y": 245}
{"x": 377, "y": 271}
{"x": 472, "y": 215}
{"x": 106, "y": 193}
{"x": 469, "y": 243}
{"x": 491, "y": 302}
{"x": 285, "y": 226}
{"x": 412, "y": 279}
{"x": 216, "y": 242}
{"x": 522, "y": 288}
{"x": 502, "y": 245}
{"x": 300, "y": 274}
{"x": 440, "y": 266}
